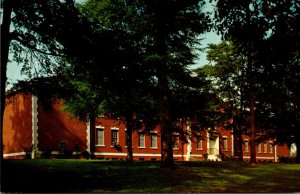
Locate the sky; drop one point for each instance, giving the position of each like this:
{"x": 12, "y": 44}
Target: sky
{"x": 14, "y": 70}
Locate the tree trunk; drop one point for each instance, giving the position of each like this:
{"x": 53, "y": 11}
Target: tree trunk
{"x": 165, "y": 125}
{"x": 92, "y": 121}
{"x": 252, "y": 115}
{"x": 129, "y": 126}
{"x": 5, "y": 42}
{"x": 240, "y": 139}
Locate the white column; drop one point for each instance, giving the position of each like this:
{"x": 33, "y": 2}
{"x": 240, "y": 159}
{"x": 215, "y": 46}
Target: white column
{"x": 207, "y": 136}
{"x": 34, "y": 130}
{"x": 189, "y": 144}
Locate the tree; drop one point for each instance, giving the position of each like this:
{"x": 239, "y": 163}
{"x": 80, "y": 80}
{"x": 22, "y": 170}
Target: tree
{"x": 279, "y": 97}
{"x": 245, "y": 24}
{"x": 226, "y": 71}
{"x": 170, "y": 30}
{"x": 163, "y": 44}
{"x": 30, "y": 42}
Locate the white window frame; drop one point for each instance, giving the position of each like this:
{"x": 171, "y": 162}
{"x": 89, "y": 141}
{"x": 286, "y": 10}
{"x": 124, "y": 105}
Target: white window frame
{"x": 139, "y": 141}
{"x": 100, "y": 128}
{"x": 259, "y": 148}
{"x": 265, "y": 147}
{"x": 271, "y": 147}
{"x": 225, "y": 145}
{"x": 177, "y": 142}
{"x": 199, "y": 142}
{"x": 153, "y": 133}
{"x": 111, "y": 138}
{"x": 246, "y": 145}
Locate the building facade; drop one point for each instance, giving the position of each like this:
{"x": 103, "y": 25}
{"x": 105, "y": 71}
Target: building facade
{"x": 31, "y": 128}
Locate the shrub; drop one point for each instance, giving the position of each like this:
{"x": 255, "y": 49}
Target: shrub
{"x": 28, "y": 152}
{"x": 46, "y": 154}
{"x": 85, "y": 154}
{"x": 205, "y": 156}
{"x": 64, "y": 152}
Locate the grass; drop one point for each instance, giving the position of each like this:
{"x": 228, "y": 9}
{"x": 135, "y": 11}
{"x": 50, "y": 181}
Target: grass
{"x": 116, "y": 176}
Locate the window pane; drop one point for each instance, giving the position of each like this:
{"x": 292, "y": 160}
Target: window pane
{"x": 100, "y": 135}
{"x": 175, "y": 141}
{"x": 259, "y": 148}
{"x": 199, "y": 142}
{"x": 246, "y": 146}
{"x": 114, "y": 137}
{"x": 271, "y": 147}
{"x": 265, "y": 147}
{"x": 225, "y": 143}
{"x": 141, "y": 140}
{"x": 153, "y": 140}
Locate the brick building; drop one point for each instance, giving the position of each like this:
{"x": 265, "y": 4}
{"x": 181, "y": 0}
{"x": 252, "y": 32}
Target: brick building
{"x": 27, "y": 124}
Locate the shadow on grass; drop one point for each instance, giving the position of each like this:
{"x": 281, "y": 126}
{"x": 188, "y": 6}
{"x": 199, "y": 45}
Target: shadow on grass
{"x": 117, "y": 176}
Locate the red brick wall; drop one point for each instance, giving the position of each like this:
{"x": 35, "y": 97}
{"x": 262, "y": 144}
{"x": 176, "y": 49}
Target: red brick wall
{"x": 197, "y": 153}
{"x": 283, "y": 151}
{"x": 228, "y": 134}
{"x": 56, "y": 126}
{"x": 17, "y": 125}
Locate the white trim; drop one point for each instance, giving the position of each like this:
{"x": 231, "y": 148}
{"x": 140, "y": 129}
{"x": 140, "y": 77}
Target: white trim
{"x": 261, "y": 157}
{"x": 14, "y": 154}
{"x": 189, "y": 142}
{"x": 114, "y": 128}
{"x": 134, "y": 154}
{"x": 196, "y": 155}
{"x": 109, "y": 154}
{"x": 141, "y": 154}
{"x": 35, "y": 127}
{"x": 207, "y": 142}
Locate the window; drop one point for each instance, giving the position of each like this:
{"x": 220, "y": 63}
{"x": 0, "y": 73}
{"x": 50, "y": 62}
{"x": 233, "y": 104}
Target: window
{"x": 246, "y": 146}
{"x": 271, "y": 147}
{"x": 225, "y": 144}
{"x": 114, "y": 136}
{"x": 141, "y": 140}
{"x": 153, "y": 140}
{"x": 265, "y": 147}
{"x": 259, "y": 148}
{"x": 100, "y": 136}
{"x": 176, "y": 141}
{"x": 199, "y": 143}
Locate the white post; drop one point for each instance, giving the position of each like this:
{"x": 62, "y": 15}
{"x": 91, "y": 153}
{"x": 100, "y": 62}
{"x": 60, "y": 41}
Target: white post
{"x": 88, "y": 136}
{"x": 34, "y": 130}
{"x": 189, "y": 144}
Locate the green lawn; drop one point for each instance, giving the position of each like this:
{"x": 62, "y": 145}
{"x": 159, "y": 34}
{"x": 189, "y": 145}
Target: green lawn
{"x": 117, "y": 176}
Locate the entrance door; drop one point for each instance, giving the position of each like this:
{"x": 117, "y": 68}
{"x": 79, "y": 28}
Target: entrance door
{"x": 212, "y": 144}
